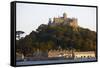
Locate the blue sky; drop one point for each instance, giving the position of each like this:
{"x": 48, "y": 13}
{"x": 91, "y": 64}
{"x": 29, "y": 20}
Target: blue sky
{"x": 30, "y": 16}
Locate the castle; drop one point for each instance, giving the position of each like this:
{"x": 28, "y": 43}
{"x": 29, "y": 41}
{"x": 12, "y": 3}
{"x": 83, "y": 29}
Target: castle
{"x": 73, "y": 22}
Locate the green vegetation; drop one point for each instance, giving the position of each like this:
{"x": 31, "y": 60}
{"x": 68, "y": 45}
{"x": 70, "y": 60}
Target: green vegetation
{"x": 52, "y": 37}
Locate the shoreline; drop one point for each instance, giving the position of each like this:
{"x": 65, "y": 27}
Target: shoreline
{"x": 54, "y": 61}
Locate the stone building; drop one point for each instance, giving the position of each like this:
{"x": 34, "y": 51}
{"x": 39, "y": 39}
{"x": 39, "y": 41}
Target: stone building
{"x": 73, "y": 22}
{"x": 60, "y": 53}
{"x": 88, "y": 54}
{"x": 71, "y": 54}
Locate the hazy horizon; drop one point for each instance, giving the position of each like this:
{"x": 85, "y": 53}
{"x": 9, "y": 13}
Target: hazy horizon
{"x": 30, "y": 16}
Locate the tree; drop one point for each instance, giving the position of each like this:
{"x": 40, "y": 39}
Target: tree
{"x": 25, "y": 45}
{"x": 18, "y": 34}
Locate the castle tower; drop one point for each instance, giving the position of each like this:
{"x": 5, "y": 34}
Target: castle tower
{"x": 50, "y": 21}
{"x": 64, "y": 15}
{"x": 74, "y": 24}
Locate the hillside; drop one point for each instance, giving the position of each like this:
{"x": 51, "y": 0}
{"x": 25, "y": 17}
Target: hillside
{"x": 47, "y": 37}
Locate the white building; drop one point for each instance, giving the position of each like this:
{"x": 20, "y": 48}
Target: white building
{"x": 89, "y": 54}
{"x": 68, "y": 54}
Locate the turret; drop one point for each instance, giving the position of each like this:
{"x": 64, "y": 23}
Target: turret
{"x": 50, "y": 21}
{"x": 64, "y": 15}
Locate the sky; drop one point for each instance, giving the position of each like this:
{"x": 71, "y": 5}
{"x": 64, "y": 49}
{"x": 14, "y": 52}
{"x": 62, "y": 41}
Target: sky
{"x": 30, "y": 16}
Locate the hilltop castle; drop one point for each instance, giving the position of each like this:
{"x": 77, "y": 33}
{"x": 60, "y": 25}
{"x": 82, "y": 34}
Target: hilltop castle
{"x": 64, "y": 21}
